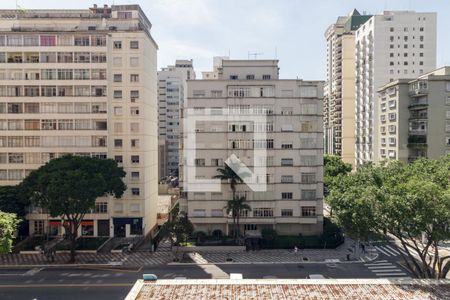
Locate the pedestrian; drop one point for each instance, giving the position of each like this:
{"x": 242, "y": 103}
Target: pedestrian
{"x": 363, "y": 248}
{"x": 295, "y": 249}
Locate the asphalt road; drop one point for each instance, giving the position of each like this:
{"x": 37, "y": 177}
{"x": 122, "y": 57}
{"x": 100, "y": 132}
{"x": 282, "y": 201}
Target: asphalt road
{"x": 102, "y": 283}
{"x": 83, "y": 283}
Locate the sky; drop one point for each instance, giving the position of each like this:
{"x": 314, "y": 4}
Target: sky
{"x": 289, "y": 30}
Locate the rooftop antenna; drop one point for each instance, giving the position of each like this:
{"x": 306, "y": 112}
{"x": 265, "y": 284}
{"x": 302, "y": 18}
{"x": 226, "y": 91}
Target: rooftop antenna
{"x": 254, "y": 54}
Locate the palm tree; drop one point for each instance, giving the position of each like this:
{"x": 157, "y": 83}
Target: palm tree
{"x": 232, "y": 177}
{"x": 227, "y": 173}
{"x": 235, "y": 207}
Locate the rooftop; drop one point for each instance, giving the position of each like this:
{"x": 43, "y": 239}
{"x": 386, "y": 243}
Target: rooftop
{"x": 284, "y": 289}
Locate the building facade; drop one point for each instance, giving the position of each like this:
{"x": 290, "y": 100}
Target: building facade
{"x": 171, "y": 89}
{"x": 415, "y": 117}
{"x": 339, "y": 90}
{"x": 396, "y": 44}
{"x": 293, "y": 200}
{"x": 82, "y": 82}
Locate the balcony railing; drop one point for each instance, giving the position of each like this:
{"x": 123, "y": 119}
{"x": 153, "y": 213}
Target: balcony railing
{"x": 417, "y": 140}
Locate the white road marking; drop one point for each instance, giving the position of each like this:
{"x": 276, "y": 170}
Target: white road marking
{"x": 387, "y": 270}
{"x": 381, "y": 264}
{"x": 382, "y": 267}
{"x": 382, "y": 251}
{"x": 390, "y": 274}
{"x": 392, "y": 249}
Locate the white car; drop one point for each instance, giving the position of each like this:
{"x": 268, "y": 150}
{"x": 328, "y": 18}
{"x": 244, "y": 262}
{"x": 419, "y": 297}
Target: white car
{"x": 316, "y": 276}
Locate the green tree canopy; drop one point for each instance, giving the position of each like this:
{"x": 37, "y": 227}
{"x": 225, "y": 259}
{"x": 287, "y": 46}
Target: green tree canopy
{"x": 8, "y": 224}
{"x": 12, "y": 201}
{"x": 68, "y": 187}
{"x": 410, "y": 202}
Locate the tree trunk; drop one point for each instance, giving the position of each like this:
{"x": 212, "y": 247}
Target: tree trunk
{"x": 73, "y": 241}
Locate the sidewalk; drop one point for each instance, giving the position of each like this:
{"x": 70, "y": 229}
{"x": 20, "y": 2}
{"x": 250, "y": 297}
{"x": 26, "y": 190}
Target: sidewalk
{"x": 164, "y": 255}
{"x": 136, "y": 259}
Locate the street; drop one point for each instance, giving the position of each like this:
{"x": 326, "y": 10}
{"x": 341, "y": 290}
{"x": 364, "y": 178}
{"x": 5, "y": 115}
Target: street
{"x": 103, "y": 283}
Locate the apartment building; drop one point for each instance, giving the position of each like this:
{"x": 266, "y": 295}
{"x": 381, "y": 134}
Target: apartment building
{"x": 339, "y": 90}
{"x": 292, "y": 201}
{"x": 396, "y": 44}
{"x": 81, "y": 82}
{"x": 171, "y": 89}
{"x": 415, "y": 117}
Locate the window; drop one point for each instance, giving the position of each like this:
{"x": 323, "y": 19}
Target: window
{"x": 134, "y": 127}
{"x": 118, "y": 159}
{"x": 134, "y": 95}
{"x": 117, "y": 45}
{"x": 134, "y": 78}
{"x": 135, "y": 191}
{"x": 250, "y": 77}
{"x": 98, "y": 40}
{"x": 118, "y": 111}
{"x": 308, "y": 194}
{"x": 199, "y": 162}
{"x": 199, "y": 213}
{"x": 117, "y": 77}
{"x": 263, "y": 212}
{"x": 308, "y": 177}
{"x": 81, "y": 40}
{"x": 134, "y": 159}
{"x": 286, "y": 145}
{"x": 286, "y": 195}
{"x": 287, "y": 213}
{"x": 266, "y": 77}
{"x": 118, "y": 143}
{"x": 287, "y": 111}
{"x": 134, "y": 175}
{"x": 234, "y": 77}
{"x": 134, "y": 44}
{"x": 134, "y": 143}
{"x": 124, "y": 15}
{"x": 134, "y": 111}
{"x": 134, "y": 61}
{"x": 117, "y": 61}
{"x": 287, "y": 179}
{"x": 216, "y": 94}
{"x": 118, "y": 127}
{"x": 216, "y": 162}
{"x": 101, "y": 208}
{"x": 308, "y": 211}
{"x": 216, "y": 213}
{"x": 117, "y": 94}
{"x": 287, "y": 162}
{"x": 48, "y": 40}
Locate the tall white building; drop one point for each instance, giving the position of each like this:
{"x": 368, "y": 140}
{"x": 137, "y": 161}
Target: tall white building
{"x": 171, "y": 93}
{"x": 82, "y": 82}
{"x": 396, "y": 44}
{"x": 292, "y": 203}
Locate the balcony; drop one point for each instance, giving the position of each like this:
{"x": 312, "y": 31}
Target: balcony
{"x": 419, "y": 141}
{"x": 418, "y": 91}
{"x": 418, "y": 103}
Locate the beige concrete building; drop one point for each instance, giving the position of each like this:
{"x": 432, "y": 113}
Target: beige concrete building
{"x": 415, "y": 117}
{"x": 292, "y": 202}
{"x": 82, "y": 82}
{"x": 339, "y": 90}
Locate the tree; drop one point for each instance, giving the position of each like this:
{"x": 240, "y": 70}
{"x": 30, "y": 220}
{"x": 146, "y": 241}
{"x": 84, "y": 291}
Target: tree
{"x": 67, "y": 187}
{"x": 227, "y": 174}
{"x": 178, "y": 228}
{"x": 12, "y": 201}
{"x": 408, "y": 201}
{"x": 8, "y": 224}
{"x": 235, "y": 207}
{"x": 334, "y": 169}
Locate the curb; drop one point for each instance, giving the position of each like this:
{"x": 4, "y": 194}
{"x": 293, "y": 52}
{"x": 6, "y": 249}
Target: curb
{"x": 265, "y": 263}
{"x": 62, "y": 266}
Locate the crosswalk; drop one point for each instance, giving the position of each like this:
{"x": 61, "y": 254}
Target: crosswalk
{"x": 389, "y": 251}
{"x": 385, "y": 269}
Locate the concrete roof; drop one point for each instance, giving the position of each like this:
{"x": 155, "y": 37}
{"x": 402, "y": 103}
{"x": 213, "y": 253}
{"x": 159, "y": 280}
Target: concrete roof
{"x": 260, "y": 289}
